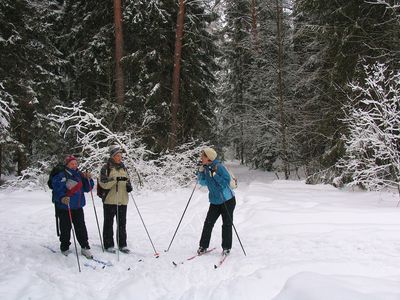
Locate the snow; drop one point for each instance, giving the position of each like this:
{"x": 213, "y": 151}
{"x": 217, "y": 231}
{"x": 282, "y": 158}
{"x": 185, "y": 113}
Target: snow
{"x": 303, "y": 242}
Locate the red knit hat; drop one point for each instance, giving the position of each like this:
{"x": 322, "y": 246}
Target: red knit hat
{"x": 68, "y": 159}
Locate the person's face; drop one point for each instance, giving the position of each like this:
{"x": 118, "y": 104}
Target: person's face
{"x": 73, "y": 165}
{"x": 204, "y": 159}
{"x": 117, "y": 158}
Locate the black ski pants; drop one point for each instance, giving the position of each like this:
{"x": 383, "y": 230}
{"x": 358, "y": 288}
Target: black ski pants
{"x": 78, "y": 219}
{"x": 110, "y": 211}
{"x": 226, "y": 211}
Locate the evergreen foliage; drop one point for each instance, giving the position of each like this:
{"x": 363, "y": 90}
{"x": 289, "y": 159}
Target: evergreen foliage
{"x": 331, "y": 41}
{"x": 29, "y": 65}
{"x": 236, "y": 60}
{"x": 275, "y": 90}
{"x": 372, "y": 158}
{"x": 149, "y": 59}
{"x": 86, "y": 40}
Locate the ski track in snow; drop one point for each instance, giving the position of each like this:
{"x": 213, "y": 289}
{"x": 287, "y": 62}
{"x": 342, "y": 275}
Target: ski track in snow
{"x": 293, "y": 233}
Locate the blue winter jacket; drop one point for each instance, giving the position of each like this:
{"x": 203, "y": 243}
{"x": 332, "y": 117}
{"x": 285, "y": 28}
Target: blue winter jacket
{"x": 70, "y": 178}
{"x": 218, "y": 185}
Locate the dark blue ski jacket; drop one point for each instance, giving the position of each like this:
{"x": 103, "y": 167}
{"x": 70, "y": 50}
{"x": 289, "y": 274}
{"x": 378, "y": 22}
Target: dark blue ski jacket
{"x": 71, "y": 183}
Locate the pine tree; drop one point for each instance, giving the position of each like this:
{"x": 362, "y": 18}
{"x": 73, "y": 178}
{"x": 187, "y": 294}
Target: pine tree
{"x": 333, "y": 39}
{"x": 86, "y": 40}
{"x": 262, "y": 120}
{"x": 29, "y": 65}
{"x": 150, "y": 26}
{"x": 236, "y": 60}
{"x": 372, "y": 144}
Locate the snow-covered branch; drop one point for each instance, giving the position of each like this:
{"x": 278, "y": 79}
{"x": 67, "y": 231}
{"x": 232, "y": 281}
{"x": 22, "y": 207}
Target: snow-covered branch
{"x": 372, "y": 157}
{"x": 155, "y": 172}
{"x": 93, "y": 137}
{"x": 5, "y": 110}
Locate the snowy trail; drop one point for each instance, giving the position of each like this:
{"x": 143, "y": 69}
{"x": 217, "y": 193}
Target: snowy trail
{"x": 299, "y": 239}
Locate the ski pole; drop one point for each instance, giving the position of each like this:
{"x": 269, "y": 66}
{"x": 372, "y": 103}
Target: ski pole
{"x": 190, "y": 198}
{"x": 56, "y": 215}
{"x": 73, "y": 234}
{"x": 234, "y": 227}
{"x": 116, "y": 188}
{"x": 156, "y": 254}
{"x": 95, "y": 213}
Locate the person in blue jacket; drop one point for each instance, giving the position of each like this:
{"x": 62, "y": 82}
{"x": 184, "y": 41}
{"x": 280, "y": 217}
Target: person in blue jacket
{"x": 69, "y": 187}
{"x": 222, "y": 200}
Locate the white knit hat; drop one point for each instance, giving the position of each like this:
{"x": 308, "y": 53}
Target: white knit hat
{"x": 210, "y": 153}
{"x": 114, "y": 149}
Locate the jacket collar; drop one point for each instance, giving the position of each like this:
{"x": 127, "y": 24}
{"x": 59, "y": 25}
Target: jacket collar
{"x": 215, "y": 162}
{"x": 71, "y": 172}
{"x": 112, "y": 164}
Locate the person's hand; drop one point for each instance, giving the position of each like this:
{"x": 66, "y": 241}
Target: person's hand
{"x": 65, "y": 200}
{"x": 201, "y": 168}
{"x": 214, "y": 171}
{"x": 87, "y": 175}
{"x": 129, "y": 187}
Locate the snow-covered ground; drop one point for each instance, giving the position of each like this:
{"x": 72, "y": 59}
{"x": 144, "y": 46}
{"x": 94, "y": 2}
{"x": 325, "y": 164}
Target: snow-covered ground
{"x": 302, "y": 242}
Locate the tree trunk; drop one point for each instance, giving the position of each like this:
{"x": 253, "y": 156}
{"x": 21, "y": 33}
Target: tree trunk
{"x": 279, "y": 23}
{"x": 119, "y": 46}
{"x": 22, "y": 158}
{"x": 254, "y": 25}
{"x": 176, "y": 75}
{"x": 1, "y": 161}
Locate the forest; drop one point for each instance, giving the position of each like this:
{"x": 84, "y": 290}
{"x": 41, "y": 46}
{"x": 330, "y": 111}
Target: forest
{"x": 298, "y": 87}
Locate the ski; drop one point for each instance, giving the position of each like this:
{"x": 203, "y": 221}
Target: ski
{"x": 192, "y": 257}
{"x": 49, "y": 248}
{"x": 221, "y": 261}
{"x": 102, "y": 263}
{"x": 90, "y": 266}
{"x": 130, "y": 253}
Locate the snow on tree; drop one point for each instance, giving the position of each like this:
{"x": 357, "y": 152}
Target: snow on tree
{"x": 148, "y": 170}
{"x": 5, "y": 114}
{"x": 332, "y": 39}
{"x": 93, "y": 137}
{"x": 372, "y": 158}
{"x": 5, "y": 111}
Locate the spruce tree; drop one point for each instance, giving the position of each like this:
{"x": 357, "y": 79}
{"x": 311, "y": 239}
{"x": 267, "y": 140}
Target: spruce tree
{"x": 237, "y": 57}
{"x": 86, "y": 41}
{"x": 333, "y": 41}
{"x": 29, "y": 65}
{"x": 150, "y": 37}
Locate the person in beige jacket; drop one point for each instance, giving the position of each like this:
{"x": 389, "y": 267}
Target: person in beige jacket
{"x": 115, "y": 183}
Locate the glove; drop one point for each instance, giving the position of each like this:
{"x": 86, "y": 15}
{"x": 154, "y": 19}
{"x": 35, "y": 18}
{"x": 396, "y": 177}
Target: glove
{"x": 87, "y": 175}
{"x": 214, "y": 171}
{"x": 65, "y": 200}
{"x": 122, "y": 178}
{"x": 129, "y": 187}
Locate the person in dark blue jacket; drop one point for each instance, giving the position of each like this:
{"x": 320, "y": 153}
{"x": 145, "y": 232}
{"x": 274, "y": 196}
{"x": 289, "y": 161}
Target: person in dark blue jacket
{"x": 222, "y": 200}
{"x": 69, "y": 187}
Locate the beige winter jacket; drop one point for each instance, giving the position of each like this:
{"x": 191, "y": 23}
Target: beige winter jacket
{"x": 109, "y": 182}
